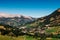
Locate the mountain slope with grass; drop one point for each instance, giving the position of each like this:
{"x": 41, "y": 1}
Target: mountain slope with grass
{"x": 50, "y": 20}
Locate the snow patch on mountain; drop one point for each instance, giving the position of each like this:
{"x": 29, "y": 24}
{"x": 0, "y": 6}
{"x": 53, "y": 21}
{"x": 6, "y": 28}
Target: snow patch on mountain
{"x": 6, "y": 15}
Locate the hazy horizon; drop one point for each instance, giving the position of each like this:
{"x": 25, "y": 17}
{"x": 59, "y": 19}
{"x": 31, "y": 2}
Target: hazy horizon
{"x": 33, "y": 8}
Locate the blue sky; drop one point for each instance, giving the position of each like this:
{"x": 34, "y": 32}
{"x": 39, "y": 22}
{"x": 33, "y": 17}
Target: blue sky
{"x": 34, "y": 8}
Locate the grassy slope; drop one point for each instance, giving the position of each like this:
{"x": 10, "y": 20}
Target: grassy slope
{"x": 53, "y": 29}
{"x": 22, "y": 38}
{"x": 16, "y": 38}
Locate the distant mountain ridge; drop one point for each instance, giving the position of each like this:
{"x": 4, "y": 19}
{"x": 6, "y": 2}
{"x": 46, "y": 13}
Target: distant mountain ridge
{"x": 15, "y": 20}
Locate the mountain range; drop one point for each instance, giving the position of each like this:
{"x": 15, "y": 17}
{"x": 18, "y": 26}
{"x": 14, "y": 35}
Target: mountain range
{"x": 19, "y": 20}
{"x": 15, "y": 20}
